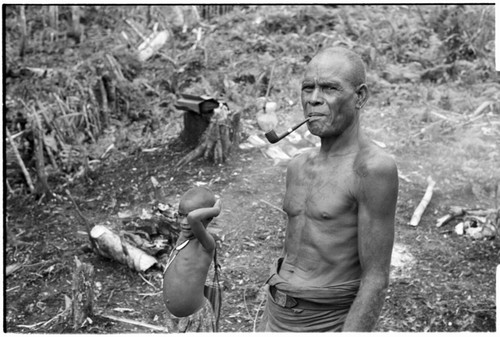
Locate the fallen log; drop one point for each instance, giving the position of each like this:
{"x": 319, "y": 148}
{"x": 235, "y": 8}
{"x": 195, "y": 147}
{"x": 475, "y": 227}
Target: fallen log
{"x": 477, "y": 223}
{"x": 454, "y": 212}
{"x": 417, "y": 215}
{"x": 112, "y": 246}
{"x": 457, "y": 211}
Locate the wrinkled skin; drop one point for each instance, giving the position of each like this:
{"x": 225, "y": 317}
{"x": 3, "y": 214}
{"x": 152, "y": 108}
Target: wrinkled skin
{"x": 341, "y": 198}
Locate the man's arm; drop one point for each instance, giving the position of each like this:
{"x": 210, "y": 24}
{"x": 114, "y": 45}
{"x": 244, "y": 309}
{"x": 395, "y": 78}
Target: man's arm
{"x": 376, "y": 211}
{"x": 195, "y": 219}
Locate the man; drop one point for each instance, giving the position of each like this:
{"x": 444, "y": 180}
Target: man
{"x": 340, "y": 200}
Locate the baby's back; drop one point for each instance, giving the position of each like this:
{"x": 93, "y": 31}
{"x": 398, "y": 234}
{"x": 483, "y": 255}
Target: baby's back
{"x": 184, "y": 279}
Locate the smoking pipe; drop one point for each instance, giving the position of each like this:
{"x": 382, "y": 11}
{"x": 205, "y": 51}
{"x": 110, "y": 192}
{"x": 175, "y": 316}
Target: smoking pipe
{"x": 272, "y": 137}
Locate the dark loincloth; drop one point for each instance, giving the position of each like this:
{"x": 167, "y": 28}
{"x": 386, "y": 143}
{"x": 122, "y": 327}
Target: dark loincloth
{"x": 319, "y": 309}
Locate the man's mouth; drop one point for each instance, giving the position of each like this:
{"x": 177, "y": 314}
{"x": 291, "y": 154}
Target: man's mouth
{"x": 314, "y": 116}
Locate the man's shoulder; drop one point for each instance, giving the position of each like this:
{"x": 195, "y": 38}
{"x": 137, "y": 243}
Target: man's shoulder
{"x": 375, "y": 160}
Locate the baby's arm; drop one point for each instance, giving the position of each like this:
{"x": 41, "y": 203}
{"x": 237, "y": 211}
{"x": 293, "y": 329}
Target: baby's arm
{"x": 195, "y": 219}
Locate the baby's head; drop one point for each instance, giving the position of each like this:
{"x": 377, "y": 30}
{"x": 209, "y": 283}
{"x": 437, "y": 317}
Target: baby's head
{"x": 194, "y": 198}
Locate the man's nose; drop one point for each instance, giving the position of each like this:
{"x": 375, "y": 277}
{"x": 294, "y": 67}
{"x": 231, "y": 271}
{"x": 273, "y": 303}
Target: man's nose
{"x": 184, "y": 221}
{"x": 315, "y": 98}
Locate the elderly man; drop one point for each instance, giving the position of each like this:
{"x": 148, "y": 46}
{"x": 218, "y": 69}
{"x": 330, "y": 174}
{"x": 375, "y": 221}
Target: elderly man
{"x": 340, "y": 200}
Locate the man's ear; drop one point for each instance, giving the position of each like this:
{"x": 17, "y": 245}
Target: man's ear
{"x": 362, "y": 96}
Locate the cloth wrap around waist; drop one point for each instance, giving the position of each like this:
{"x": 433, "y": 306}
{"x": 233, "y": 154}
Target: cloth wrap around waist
{"x": 333, "y": 302}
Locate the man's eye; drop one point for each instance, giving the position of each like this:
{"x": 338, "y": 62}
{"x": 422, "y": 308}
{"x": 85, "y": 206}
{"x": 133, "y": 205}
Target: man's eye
{"x": 331, "y": 88}
{"x": 307, "y": 88}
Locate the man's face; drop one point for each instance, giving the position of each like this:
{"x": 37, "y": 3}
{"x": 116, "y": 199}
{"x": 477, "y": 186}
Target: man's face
{"x": 327, "y": 95}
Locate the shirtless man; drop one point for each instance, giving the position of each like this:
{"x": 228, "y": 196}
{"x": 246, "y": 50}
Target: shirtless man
{"x": 188, "y": 265}
{"x": 340, "y": 200}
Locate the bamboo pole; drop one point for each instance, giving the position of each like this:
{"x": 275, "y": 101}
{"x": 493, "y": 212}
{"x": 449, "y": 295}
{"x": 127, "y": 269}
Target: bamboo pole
{"x": 20, "y": 162}
{"x": 136, "y": 30}
{"x": 104, "y": 116}
{"x": 24, "y": 32}
{"x": 54, "y": 17}
{"x": 417, "y": 215}
{"x": 53, "y": 124}
{"x": 75, "y": 21}
{"x": 62, "y": 106}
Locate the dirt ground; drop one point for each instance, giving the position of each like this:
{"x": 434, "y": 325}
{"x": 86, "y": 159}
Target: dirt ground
{"x": 441, "y": 281}
{"x": 433, "y": 269}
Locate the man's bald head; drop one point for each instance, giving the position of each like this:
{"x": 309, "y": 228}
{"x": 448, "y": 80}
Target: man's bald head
{"x": 357, "y": 71}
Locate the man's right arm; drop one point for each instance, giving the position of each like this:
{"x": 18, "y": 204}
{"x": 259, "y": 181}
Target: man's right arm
{"x": 376, "y": 210}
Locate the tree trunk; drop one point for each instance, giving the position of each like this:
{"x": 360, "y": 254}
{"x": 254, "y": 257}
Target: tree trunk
{"x": 194, "y": 126}
{"x": 216, "y": 138}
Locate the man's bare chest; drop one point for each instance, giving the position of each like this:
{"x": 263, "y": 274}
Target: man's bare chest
{"x": 322, "y": 193}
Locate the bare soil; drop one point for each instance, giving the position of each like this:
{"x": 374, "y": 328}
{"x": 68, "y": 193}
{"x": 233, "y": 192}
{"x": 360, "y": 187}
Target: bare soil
{"x": 441, "y": 282}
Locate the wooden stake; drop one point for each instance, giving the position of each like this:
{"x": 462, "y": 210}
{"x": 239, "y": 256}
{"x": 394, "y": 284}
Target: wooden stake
{"x": 9, "y": 188}
{"x": 75, "y": 20}
{"x": 20, "y": 162}
{"x": 85, "y": 221}
{"x": 63, "y": 106}
{"x": 104, "y": 118}
{"x": 415, "y": 219}
{"x": 40, "y": 161}
{"x": 269, "y": 83}
{"x": 51, "y": 156}
{"x": 24, "y": 37}
{"x": 83, "y": 293}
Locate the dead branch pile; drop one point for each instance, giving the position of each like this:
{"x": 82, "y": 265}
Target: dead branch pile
{"x": 477, "y": 223}
{"x": 60, "y": 112}
{"x": 144, "y": 242}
